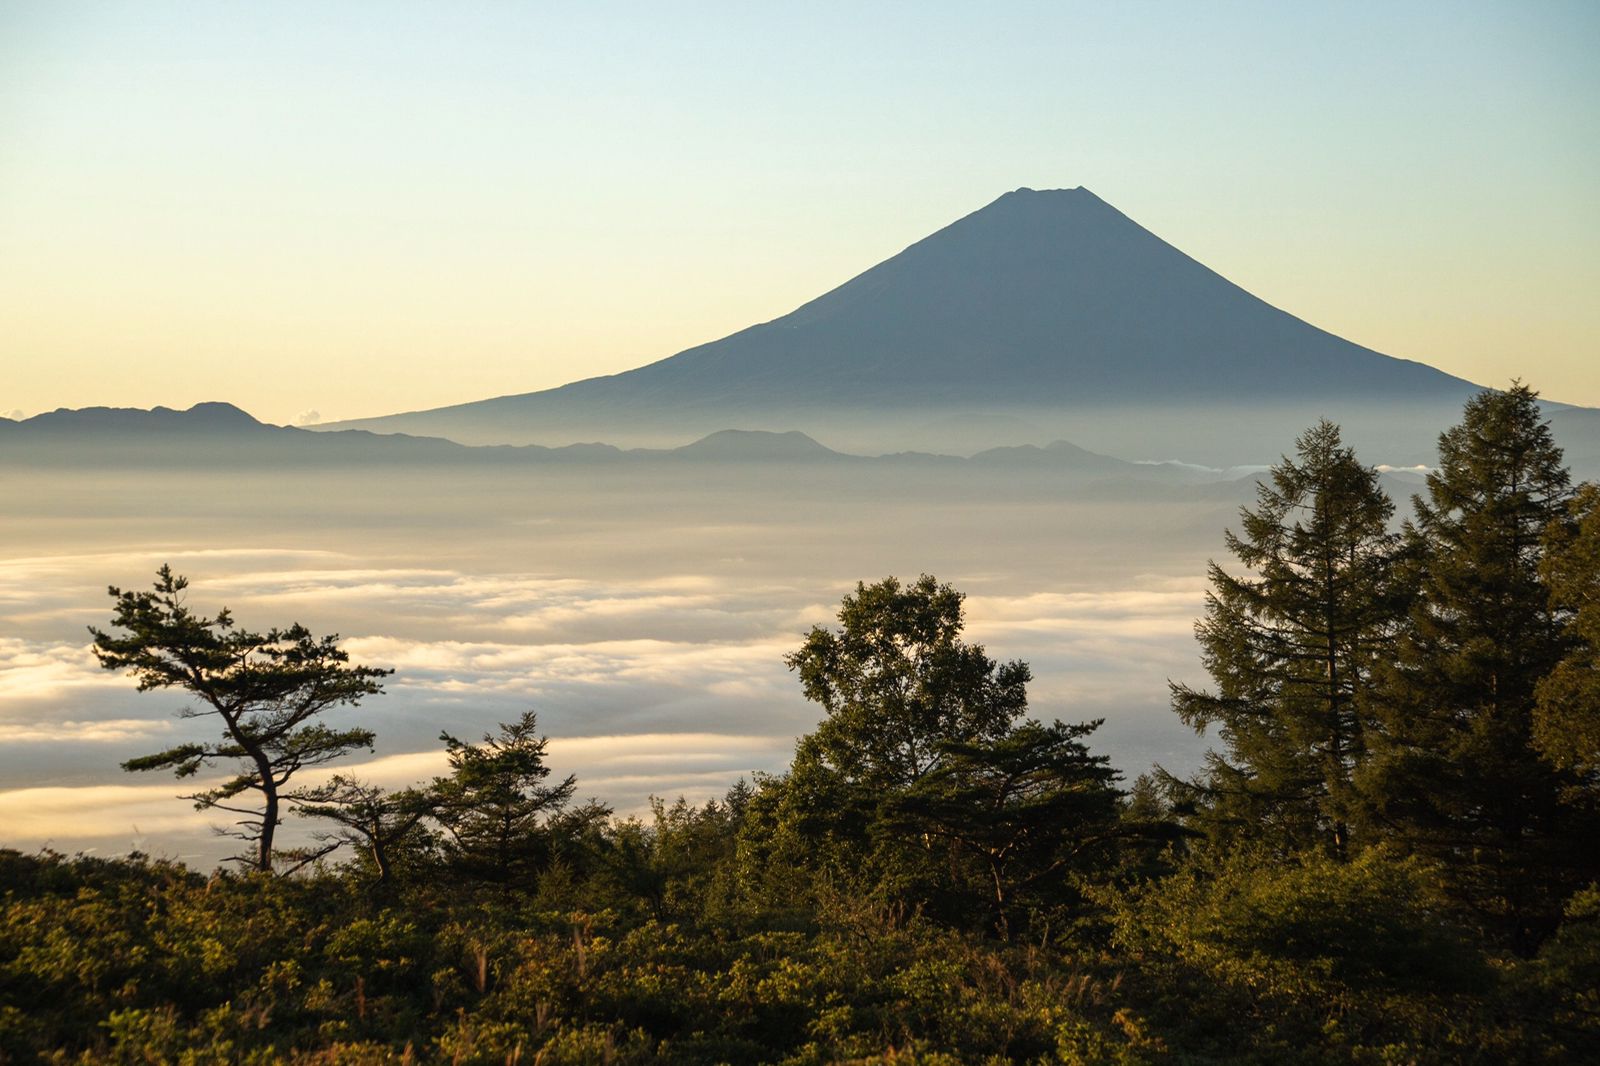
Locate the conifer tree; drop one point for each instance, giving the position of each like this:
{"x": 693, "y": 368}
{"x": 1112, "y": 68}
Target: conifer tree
{"x": 1027, "y": 810}
{"x": 268, "y": 690}
{"x": 495, "y": 803}
{"x": 1291, "y": 648}
{"x": 1566, "y": 719}
{"x": 366, "y": 816}
{"x": 1458, "y": 777}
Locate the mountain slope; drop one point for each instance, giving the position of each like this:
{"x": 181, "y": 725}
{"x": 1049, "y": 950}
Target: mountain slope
{"x": 1043, "y": 300}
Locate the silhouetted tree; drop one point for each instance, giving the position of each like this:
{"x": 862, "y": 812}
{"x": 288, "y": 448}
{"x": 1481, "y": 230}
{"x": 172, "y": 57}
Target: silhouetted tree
{"x": 920, "y": 789}
{"x": 268, "y": 689}
{"x": 1459, "y": 778}
{"x": 494, "y": 802}
{"x": 1292, "y": 647}
{"x": 368, "y": 817}
{"x": 1030, "y": 808}
{"x": 897, "y": 681}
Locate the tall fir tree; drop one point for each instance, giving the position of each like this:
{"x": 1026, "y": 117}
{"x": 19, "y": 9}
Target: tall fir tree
{"x": 1457, "y": 776}
{"x": 1292, "y": 649}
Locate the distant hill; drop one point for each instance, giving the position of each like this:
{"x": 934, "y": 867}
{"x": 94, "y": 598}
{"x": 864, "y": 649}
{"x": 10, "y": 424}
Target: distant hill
{"x": 202, "y": 418}
{"x": 1043, "y": 311}
{"x": 744, "y": 445}
{"x": 219, "y": 435}
{"x": 221, "y": 438}
{"x": 1058, "y": 453}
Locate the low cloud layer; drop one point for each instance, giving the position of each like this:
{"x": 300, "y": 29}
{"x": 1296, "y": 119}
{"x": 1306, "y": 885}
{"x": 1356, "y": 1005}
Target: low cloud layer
{"x": 668, "y": 685}
{"x": 624, "y": 771}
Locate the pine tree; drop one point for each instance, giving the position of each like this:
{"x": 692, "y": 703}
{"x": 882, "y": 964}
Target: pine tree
{"x": 268, "y": 690}
{"x": 495, "y": 804}
{"x": 1292, "y": 649}
{"x": 1027, "y": 811}
{"x": 1458, "y": 776}
{"x": 379, "y": 822}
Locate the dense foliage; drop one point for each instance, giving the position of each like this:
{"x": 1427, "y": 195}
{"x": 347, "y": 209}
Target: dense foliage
{"x": 1392, "y": 858}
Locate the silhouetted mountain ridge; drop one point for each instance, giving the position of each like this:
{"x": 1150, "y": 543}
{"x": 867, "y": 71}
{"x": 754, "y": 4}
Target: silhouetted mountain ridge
{"x": 209, "y": 417}
{"x": 219, "y": 434}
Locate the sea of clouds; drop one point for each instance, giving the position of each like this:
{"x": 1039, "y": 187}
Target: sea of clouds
{"x": 664, "y": 687}
{"x": 644, "y": 618}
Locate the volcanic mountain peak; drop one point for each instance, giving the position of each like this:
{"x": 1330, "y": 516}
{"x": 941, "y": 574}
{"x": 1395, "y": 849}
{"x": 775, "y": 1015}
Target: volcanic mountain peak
{"x": 1044, "y": 303}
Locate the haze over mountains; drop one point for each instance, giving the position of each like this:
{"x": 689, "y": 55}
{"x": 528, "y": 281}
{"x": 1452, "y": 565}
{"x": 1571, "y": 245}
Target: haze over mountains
{"x": 1046, "y": 314}
{"x": 219, "y": 435}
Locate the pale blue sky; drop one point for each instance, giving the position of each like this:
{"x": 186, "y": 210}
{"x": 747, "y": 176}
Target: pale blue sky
{"x": 364, "y": 208}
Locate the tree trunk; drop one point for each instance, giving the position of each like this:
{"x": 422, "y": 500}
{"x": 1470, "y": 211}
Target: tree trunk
{"x": 380, "y": 856}
{"x": 269, "y": 823}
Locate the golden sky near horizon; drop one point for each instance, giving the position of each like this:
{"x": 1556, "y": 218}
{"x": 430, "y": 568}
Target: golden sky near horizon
{"x": 361, "y": 209}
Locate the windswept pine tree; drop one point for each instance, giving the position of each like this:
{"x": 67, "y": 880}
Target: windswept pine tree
{"x": 377, "y": 822}
{"x": 1291, "y": 648}
{"x": 268, "y": 690}
{"x": 1458, "y": 778}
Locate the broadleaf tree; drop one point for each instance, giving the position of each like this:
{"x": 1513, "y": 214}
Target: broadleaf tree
{"x": 897, "y": 681}
{"x": 923, "y": 788}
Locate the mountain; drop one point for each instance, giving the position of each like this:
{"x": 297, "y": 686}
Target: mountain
{"x": 1577, "y": 430}
{"x": 202, "y": 418}
{"x": 1043, "y": 311}
{"x": 220, "y": 436}
{"x": 1057, "y": 453}
{"x": 746, "y": 444}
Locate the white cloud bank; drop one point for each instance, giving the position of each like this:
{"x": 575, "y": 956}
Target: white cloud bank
{"x": 666, "y": 686}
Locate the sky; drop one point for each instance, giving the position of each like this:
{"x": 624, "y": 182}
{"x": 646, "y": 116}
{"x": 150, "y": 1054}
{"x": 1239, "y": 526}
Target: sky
{"x": 326, "y": 211}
